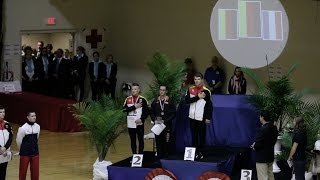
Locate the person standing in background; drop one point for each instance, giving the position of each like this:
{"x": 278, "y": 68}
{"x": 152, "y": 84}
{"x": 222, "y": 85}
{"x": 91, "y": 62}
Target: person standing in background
{"x": 237, "y": 83}
{"x": 214, "y": 76}
{"x": 80, "y": 67}
{"x": 298, "y": 149}
{"x": 189, "y": 78}
{"x": 96, "y": 73}
{"x": 110, "y": 83}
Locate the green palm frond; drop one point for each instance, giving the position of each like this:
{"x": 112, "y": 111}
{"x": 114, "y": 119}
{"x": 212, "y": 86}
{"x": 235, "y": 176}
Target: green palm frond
{"x": 104, "y": 121}
{"x": 166, "y": 73}
{"x": 250, "y": 72}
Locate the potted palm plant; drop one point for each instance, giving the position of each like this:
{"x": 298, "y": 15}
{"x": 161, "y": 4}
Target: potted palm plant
{"x": 104, "y": 121}
{"x": 167, "y": 73}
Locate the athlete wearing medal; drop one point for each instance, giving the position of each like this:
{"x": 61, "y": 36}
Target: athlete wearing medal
{"x": 137, "y": 109}
{"x": 163, "y": 110}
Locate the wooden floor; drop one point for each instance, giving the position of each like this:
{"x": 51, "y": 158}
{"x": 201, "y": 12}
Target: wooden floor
{"x": 66, "y": 156}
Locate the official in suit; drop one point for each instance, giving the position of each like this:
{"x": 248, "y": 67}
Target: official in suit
{"x": 111, "y": 70}
{"x": 43, "y": 60}
{"x": 59, "y": 74}
{"x": 96, "y": 73}
{"x": 264, "y": 146}
{"x": 80, "y": 64}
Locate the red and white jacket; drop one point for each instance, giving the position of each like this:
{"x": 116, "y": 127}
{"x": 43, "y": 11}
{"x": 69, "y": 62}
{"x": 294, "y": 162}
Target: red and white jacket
{"x": 200, "y": 109}
{"x": 6, "y": 136}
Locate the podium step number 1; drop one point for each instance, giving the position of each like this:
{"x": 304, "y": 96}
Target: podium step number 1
{"x": 137, "y": 160}
{"x": 189, "y": 153}
{"x": 246, "y": 174}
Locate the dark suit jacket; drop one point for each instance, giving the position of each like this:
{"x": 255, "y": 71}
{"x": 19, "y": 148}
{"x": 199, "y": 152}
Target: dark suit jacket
{"x": 101, "y": 71}
{"x": 36, "y": 69}
{"x": 63, "y": 69}
{"x": 80, "y": 65}
{"x": 264, "y": 145}
{"x": 41, "y": 66}
{"x": 113, "y": 74}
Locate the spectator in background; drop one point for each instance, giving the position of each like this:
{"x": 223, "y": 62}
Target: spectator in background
{"x": 70, "y": 84}
{"x": 40, "y": 45}
{"x": 96, "y": 73}
{"x": 30, "y": 71}
{"x": 59, "y": 75}
{"x": 214, "y": 76}
{"x": 189, "y": 79}
{"x": 237, "y": 83}
{"x": 111, "y": 70}
{"x": 298, "y": 149}
{"x": 50, "y": 54}
{"x": 44, "y": 63}
{"x": 67, "y": 54}
{"x": 80, "y": 64}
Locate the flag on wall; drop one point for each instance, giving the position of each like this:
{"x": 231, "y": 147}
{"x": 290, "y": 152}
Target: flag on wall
{"x": 272, "y": 25}
{"x": 249, "y": 19}
{"x": 228, "y": 24}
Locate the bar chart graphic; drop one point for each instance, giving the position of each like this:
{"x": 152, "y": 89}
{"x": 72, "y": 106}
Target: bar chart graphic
{"x": 228, "y": 29}
{"x": 250, "y": 21}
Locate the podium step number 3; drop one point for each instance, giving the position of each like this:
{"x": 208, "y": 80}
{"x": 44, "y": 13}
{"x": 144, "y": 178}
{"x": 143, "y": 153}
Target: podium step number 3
{"x": 246, "y": 174}
{"x": 189, "y": 153}
{"x": 137, "y": 160}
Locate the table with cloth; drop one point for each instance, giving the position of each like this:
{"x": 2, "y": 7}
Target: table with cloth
{"x": 52, "y": 113}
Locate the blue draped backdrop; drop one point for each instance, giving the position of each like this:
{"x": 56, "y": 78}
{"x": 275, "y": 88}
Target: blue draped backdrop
{"x": 234, "y": 123}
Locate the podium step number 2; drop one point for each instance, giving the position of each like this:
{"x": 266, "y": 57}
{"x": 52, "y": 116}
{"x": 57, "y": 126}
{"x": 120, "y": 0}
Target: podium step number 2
{"x": 137, "y": 160}
{"x": 189, "y": 153}
{"x": 246, "y": 174}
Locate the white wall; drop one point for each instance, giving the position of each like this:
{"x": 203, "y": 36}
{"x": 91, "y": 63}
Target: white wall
{"x": 32, "y": 39}
{"x": 61, "y": 40}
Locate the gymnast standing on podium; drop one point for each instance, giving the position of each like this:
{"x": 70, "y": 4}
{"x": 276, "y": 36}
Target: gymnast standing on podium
{"x": 163, "y": 110}
{"x": 200, "y": 113}
{"x": 137, "y": 110}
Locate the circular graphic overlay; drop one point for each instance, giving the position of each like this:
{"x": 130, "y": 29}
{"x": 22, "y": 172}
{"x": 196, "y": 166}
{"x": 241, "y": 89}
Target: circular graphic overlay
{"x": 249, "y": 33}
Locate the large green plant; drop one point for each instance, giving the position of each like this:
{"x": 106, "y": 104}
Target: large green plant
{"x": 104, "y": 121}
{"x": 310, "y": 111}
{"x": 166, "y": 73}
{"x": 277, "y": 97}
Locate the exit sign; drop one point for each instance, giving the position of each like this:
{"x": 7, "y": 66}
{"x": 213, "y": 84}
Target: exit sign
{"x": 51, "y": 21}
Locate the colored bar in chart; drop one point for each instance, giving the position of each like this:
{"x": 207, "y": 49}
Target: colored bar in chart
{"x": 249, "y": 19}
{"x": 228, "y": 24}
{"x": 272, "y": 25}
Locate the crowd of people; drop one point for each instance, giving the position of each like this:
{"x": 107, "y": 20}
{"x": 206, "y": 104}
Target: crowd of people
{"x": 60, "y": 75}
